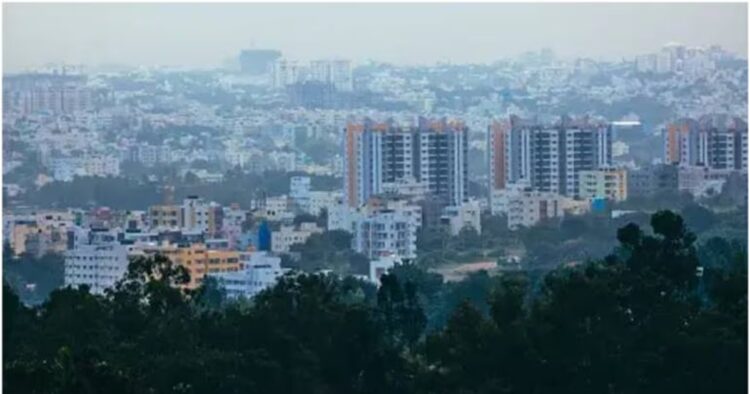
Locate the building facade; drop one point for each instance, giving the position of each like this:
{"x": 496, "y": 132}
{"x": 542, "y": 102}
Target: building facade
{"x": 260, "y": 271}
{"x": 607, "y": 183}
{"x": 717, "y": 142}
{"x": 434, "y": 152}
{"x": 97, "y": 259}
{"x": 528, "y": 207}
{"x": 652, "y": 180}
{"x": 282, "y": 240}
{"x": 198, "y": 260}
{"x": 548, "y": 157}
{"x": 456, "y": 218}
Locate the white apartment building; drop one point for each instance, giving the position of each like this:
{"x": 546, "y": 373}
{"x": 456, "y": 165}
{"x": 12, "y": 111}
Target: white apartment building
{"x": 65, "y": 169}
{"x": 319, "y": 201}
{"x": 468, "y": 214}
{"x": 335, "y": 72}
{"x": 282, "y": 240}
{"x": 500, "y": 198}
{"x": 260, "y": 271}
{"x": 97, "y": 260}
{"x": 530, "y": 207}
{"x": 386, "y": 228}
{"x": 299, "y": 192}
{"x": 286, "y": 72}
{"x": 195, "y": 214}
{"x": 340, "y": 217}
{"x": 276, "y": 209}
{"x": 386, "y": 232}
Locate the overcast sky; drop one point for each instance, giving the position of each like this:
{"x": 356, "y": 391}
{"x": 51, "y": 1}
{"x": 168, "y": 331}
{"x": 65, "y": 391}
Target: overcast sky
{"x": 206, "y": 35}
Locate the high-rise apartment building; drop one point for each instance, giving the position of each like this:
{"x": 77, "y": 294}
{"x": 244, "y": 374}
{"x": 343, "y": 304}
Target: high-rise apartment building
{"x": 547, "y": 157}
{"x": 286, "y": 72}
{"x": 433, "y": 152}
{"x": 717, "y": 142}
{"x": 334, "y": 72}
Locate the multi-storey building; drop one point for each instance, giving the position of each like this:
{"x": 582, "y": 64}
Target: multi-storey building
{"x": 717, "y": 142}
{"x": 320, "y": 200}
{"x": 259, "y": 272}
{"x": 548, "y": 157}
{"x": 164, "y": 217}
{"x": 47, "y": 93}
{"x": 653, "y": 180}
{"x": 456, "y": 218}
{"x": 434, "y": 152}
{"x": 198, "y": 260}
{"x": 386, "y": 232}
{"x": 530, "y": 207}
{"x": 195, "y": 214}
{"x": 66, "y": 168}
{"x": 97, "y": 259}
{"x": 285, "y": 73}
{"x": 38, "y": 233}
{"x": 607, "y": 183}
{"x": 382, "y": 227}
{"x": 232, "y": 225}
{"x": 282, "y": 240}
{"x": 337, "y": 73}
{"x": 299, "y": 191}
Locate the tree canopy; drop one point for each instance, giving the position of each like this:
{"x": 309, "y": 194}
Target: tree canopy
{"x": 661, "y": 313}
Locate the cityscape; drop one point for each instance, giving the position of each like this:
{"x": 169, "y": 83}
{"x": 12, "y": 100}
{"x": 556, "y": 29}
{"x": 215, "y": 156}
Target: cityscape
{"x": 356, "y": 225}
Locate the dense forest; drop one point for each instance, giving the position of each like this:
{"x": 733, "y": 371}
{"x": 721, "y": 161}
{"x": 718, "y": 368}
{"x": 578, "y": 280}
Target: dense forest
{"x": 656, "y": 315}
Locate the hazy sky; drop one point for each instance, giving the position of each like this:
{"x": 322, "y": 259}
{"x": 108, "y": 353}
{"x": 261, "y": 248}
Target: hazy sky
{"x": 207, "y": 34}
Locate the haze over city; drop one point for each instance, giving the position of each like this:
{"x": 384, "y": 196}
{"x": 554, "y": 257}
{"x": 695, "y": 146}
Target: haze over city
{"x": 375, "y": 198}
{"x": 204, "y": 35}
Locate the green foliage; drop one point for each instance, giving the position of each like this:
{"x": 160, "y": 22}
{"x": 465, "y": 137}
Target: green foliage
{"x": 32, "y": 278}
{"x": 641, "y": 320}
{"x": 329, "y": 250}
{"x": 136, "y": 193}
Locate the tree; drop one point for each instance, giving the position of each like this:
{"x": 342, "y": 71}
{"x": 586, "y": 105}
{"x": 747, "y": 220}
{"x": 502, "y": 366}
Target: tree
{"x": 640, "y": 320}
{"x": 210, "y": 295}
{"x": 698, "y": 218}
{"x": 33, "y": 278}
{"x": 399, "y": 309}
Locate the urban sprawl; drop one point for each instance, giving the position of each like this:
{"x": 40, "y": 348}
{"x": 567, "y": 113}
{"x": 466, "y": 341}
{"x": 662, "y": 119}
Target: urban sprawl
{"x": 246, "y": 172}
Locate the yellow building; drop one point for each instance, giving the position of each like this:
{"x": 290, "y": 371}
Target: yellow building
{"x": 20, "y": 233}
{"x": 39, "y": 238}
{"x": 610, "y": 183}
{"x": 199, "y": 261}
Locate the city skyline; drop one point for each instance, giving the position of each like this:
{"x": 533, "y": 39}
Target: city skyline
{"x": 165, "y": 34}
